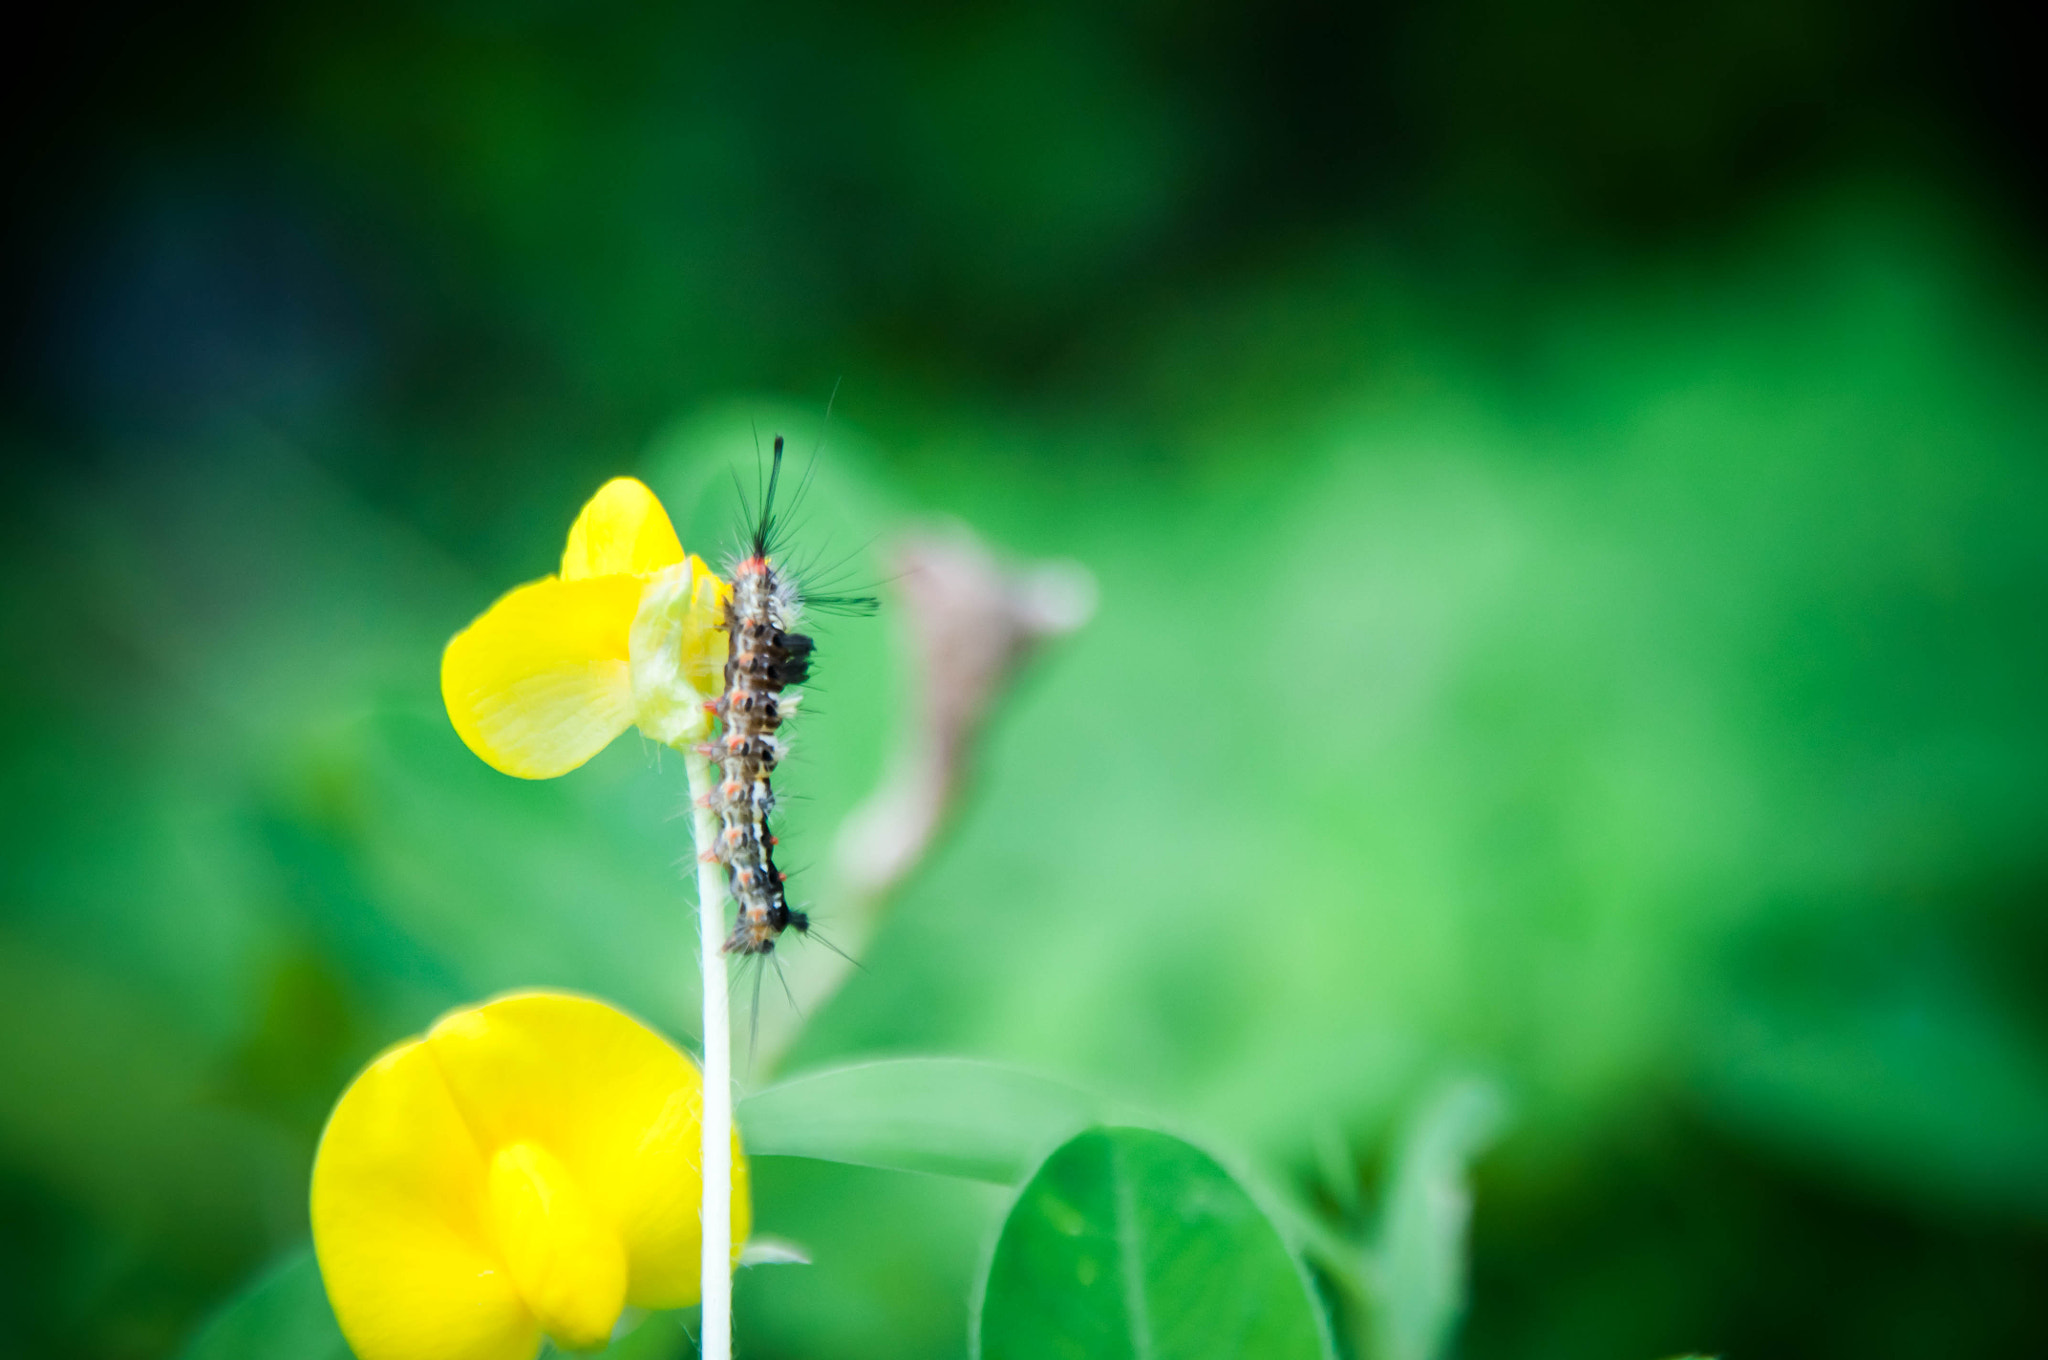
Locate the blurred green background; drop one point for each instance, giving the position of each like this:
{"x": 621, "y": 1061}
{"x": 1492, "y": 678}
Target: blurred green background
{"x": 1568, "y": 491}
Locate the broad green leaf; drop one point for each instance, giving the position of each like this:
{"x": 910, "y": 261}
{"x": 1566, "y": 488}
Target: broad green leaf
{"x": 1131, "y": 1244}
{"x": 281, "y": 1315}
{"x": 1418, "y": 1269}
{"x": 945, "y": 1116}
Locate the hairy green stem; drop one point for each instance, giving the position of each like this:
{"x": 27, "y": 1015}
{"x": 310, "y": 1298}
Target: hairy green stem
{"x": 715, "y": 1342}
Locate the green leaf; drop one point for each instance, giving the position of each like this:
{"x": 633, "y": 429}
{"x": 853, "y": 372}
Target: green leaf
{"x": 1130, "y": 1243}
{"x": 1418, "y": 1269}
{"x": 281, "y": 1315}
{"x": 944, "y": 1116}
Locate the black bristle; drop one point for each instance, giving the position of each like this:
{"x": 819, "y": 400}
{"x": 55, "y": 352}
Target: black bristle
{"x": 764, "y": 527}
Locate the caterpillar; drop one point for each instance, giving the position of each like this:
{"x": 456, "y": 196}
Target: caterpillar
{"x": 765, "y": 658}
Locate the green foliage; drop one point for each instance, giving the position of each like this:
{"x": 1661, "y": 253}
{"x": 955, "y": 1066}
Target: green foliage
{"x": 1130, "y": 1243}
{"x": 1679, "y": 764}
{"x": 1569, "y": 511}
{"x": 1416, "y": 1272}
{"x": 943, "y": 1116}
{"x": 282, "y": 1315}
{"x": 983, "y": 1121}
{"x": 1124, "y": 1241}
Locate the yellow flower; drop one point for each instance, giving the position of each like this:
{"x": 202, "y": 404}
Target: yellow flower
{"x": 530, "y": 1166}
{"x": 631, "y": 632}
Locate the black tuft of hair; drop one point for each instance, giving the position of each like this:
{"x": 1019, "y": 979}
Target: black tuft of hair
{"x": 764, "y": 526}
{"x": 859, "y": 606}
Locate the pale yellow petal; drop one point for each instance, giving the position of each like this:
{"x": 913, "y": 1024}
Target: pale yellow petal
{"x": 568, "y": 1262}
{"x": 623, "y": 530}
{"x": 705, "y": 643}
{"x": 399, "y": 1224}
{"x": 540, "y": 683}
{"x": 678, "y": 650}
{"x": 615, "y": 1103}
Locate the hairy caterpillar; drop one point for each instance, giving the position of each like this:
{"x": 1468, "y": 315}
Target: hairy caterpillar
{"x": 765, "y": 658}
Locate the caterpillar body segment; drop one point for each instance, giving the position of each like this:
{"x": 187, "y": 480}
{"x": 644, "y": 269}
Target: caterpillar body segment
{"x": 765, "y": 657}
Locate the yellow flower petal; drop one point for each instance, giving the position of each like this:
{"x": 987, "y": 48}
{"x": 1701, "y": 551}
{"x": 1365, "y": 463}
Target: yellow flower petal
{"x": 540, "y": 683}
{"x": 530, "y": 1165}
{"x": 567, "y": 1261}
{"x": 622, "y": 530}
{"x": 617, "y": 1104}
{"x": 399, "y": 1224}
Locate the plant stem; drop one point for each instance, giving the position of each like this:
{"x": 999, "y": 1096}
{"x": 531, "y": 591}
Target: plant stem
{"x": 716, "y": 1330}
